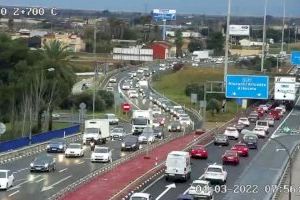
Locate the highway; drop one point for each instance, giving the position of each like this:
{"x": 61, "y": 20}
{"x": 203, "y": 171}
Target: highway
{"x": 40, "y": 186}
{"x": 198, "y": 166}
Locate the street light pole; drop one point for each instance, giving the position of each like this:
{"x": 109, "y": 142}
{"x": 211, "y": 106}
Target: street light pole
{"x": 283, "y": 21}
{"x": 290, "y": 164}
{"x": 227, "y": 40}
{"x": 94, "y": 52}
{"x": 264, "y": 38}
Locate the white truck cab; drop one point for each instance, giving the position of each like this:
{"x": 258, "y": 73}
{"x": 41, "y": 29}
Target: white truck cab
{"x": 98, "y": 129}
{"x": 178, "y": 165}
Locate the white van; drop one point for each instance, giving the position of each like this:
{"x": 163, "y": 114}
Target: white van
{"x": 178, "y": 165}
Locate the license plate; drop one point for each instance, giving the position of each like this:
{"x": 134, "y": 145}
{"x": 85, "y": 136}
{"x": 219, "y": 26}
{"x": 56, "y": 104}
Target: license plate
{"x": 38, "y": 168}
{"x": 54, "y": 149}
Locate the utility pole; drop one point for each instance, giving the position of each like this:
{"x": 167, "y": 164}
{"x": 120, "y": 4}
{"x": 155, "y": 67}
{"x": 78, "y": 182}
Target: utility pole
{"x": 227, "y": 40}
{"x": 264, "y": 39}
{"x": 95, "y": 70}
{"x": 283, "y": 21}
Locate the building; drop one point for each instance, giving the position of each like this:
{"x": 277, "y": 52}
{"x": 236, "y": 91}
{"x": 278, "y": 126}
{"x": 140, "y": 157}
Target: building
{"x": 248, "y": 43}
{"x": 74, "y": 42}
{"x": 161, "y": 50}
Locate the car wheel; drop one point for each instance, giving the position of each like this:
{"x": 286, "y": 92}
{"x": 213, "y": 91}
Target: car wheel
{"x": 167, "y": 178}
{"x": 54, "y": 168}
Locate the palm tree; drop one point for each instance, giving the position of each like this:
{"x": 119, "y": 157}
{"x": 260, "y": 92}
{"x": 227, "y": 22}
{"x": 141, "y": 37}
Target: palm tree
{"x": 60, "y": 81}
{"x": 178, "y": 43}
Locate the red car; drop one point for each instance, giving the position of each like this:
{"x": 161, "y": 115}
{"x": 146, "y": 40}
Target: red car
{"x": 275, "y": 114}
{"x": 231, "y": 157}
{"x": 200, "y": 131}
{"x": 199, "y": 151}
{"x": 260, "y": 112}
{"x": 241, "y": 149}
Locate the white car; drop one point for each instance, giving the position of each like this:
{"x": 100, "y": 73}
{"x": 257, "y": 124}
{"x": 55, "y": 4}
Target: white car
{"x": 263, "y": 124}
{"x": 264, "y": 107}
{"x": 260, "y": 132}
{"x": 141, "y": 196}
{"x": 232, "y": 132}
{"x": 6, "y": 179}
{"x": 126, "y": 86}
{"x": 113, "y": 80}
{"x": 201, "y": 189}
{"x": 74, "y": 150}
{"x": 270, "y": 120}
{"x": 244, "y": 120}
{"x": 117, "y": 133}
{"x": 109, "y": 89}
{"x": 156, "y": 110}
{"x": 133, "y": 94}
{"x": 215, "y": 173}
{"x": 185, "y": 121}
{"x": 101, "y": 154}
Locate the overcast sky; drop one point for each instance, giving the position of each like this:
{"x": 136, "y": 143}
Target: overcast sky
{"x": 209, "y": 7}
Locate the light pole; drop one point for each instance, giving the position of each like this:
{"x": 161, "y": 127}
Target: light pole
{"x": 283, "y": 21}
{"x": 227, "y": 40}
{"x": 95, "y": 70}
{"x": 264, "y": 39}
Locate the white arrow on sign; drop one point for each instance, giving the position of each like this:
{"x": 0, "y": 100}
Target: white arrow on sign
{"x": 280, "y": 150}
{"x": 168, "y": 187}
{"x": 54, "y": 184}
{"x": 259, "y": 94}
{"x": 233, "y": 93}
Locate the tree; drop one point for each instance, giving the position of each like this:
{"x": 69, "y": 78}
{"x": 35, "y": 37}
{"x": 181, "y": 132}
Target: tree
{"x": 10, "y": 24}
{"x": 61, "y": 80}
{"x": 195, "y": 45}
{"x": 216, "y": 42}
{"x": 178, "y": 43}
{"x": 214, "y": 106}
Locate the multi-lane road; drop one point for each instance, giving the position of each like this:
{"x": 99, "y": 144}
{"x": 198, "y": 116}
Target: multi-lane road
{"x": 237, "y": 175}
{"x": 40, "y": 186}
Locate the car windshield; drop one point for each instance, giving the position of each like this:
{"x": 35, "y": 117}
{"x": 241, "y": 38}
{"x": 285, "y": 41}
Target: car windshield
{"x": 147, "y": 134}
{"x": 250, "y": 138}
{"x": 140, "y": 121}
{"x": 41, "y": 159}
{"x": 3, "y": 174}
{"x": 262, "y": 123}
{"x": 240, "y": 146}
{"x": 230, "y": 129}
{"x": 75, "y": 146}
{"x": 243, "y": 119}
{"x": 221, "y": 137}
{"x": 214, "y": 169}
{"x": 185, "y": 119}
{"x": 91, "y": 130}
{"x": 57, "y": 141}
{"x": 110, "y": 116}
{"x": 200, "y": 185}
{"x": 117, "y": 130}
{"x": 101, "y": 150}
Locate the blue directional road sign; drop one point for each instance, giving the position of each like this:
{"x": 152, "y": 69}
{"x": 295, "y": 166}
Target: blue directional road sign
{"x": 295, "y": 57}
{"x": 247, "y": 87}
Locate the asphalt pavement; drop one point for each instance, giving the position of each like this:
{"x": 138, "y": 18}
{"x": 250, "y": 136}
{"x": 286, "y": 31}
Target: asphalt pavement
{"x": 198, "y": 167}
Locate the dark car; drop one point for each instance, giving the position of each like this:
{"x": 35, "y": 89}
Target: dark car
{"x": 250, "y": 140}
{"x": 130, "y": 142}
{"x": 57, "y": 145}
{"x": 239, "y": 126}
{"x": 221, "y": 139}
{"x": 253, "y": 117}
{"x": 158, "y": 132}
{"x": 43, "y": 163}
{"x": 185, "y": 197}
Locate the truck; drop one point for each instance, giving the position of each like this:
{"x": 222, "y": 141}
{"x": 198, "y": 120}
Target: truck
{"x": 98, "y": 129}
{"x": 140, "y": 120}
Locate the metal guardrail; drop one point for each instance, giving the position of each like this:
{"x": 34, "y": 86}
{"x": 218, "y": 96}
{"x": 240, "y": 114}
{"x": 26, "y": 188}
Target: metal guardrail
{"x": 31, "y": 150}
{"x": 285, "y": 172}
{"x": 111, "y": 166}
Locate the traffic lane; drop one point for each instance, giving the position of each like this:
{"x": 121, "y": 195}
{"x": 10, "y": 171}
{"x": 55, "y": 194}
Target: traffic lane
{"x": 198, "y": 166}
{"x": 32, "y": 183}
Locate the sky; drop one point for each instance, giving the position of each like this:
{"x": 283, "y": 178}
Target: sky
{"x": 208, "y": 7}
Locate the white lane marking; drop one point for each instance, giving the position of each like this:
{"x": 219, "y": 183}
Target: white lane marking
{"x": 81, "y": 162}
{"x": 63, "y": 170}
{"x": 20, "y": 170}
{"x": 168, "y": 187}
{"x": 37, "y": 181}
{"x": 153, "y": 183}
{"x": 54, "y": 184}
{"x": 18, "y": 186}
{"x": 12, "y": 194}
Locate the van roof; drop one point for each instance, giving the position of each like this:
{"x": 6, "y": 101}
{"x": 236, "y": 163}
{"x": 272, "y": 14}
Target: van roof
{"x": 145, "y": 195}
{"x": 179, "y": 153}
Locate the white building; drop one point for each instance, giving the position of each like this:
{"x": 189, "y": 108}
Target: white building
{"x": 248, "y": 43}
